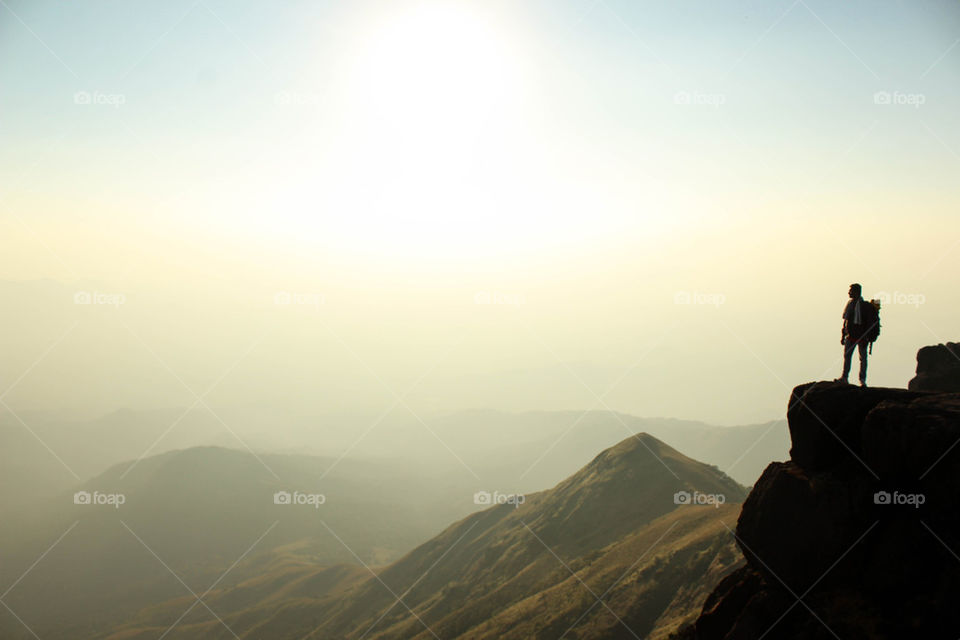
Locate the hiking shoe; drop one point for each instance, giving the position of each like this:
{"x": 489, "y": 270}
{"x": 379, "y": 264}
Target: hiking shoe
{"x": 863, "y": 383}
{"x": 843, "y": 380}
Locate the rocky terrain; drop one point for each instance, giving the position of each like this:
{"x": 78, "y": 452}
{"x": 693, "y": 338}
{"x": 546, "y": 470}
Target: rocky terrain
{"x": 858, "y": 534}
{"x": 938, "y": 368}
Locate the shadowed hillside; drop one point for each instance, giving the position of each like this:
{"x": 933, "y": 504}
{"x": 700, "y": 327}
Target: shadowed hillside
{"x": 529, "y": 571}
{"x": 189, "y": 515}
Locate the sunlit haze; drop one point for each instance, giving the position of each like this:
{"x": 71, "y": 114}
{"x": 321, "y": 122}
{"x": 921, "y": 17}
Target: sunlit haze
{"x": 393, "y": 167}
{"x": 486, "y": 319}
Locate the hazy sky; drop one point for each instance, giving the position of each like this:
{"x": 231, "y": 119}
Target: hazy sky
{"x": 654, "y": 207}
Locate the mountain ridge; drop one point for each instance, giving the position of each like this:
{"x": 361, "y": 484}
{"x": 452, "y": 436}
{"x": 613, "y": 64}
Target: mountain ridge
{"x": 480, "y": 577}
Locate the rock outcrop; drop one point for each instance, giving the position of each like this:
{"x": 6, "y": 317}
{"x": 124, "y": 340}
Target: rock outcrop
{"x": 938, "y": 368}
{"x": 858, "y": 534}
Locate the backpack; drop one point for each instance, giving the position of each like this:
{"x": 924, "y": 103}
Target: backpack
{"x": 871, "y": 320}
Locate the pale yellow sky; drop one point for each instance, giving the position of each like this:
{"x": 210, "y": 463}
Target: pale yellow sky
{"x": 513, "y": 202}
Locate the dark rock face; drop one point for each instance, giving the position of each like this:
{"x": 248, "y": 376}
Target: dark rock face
{"x": 858, "y": 535}
{"x": 938, "y": 368}
{"x": 825, "y": 421}
{"x": 724, "y": 606}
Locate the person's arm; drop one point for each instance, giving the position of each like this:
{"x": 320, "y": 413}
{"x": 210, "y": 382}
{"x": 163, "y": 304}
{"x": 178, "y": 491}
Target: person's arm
{"x": 843, "y": 329}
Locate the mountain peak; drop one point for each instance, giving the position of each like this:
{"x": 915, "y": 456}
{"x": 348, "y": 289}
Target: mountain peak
{"x": 492, "y": 574}
{"x": 626, "y": 486}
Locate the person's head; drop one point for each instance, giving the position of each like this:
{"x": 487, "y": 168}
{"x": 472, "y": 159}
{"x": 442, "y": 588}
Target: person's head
{"x": 855, "y": 290}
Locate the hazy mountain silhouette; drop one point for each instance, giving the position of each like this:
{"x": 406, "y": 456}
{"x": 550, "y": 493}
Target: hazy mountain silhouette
{"x": 199, "y": 510}
{"x": 522, "y": 451}
{"x": 539, "y": 448}
{"x": 505, "y": 572}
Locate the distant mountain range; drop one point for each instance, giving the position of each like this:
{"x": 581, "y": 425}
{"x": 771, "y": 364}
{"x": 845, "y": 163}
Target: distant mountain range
{"x": 519, "y": 451}
{"x": 540, "y": 448}
{"x": 625, "y": 530}
{"x": 188, "y": 515}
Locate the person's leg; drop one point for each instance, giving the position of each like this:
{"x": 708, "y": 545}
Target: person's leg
{"x": 847, "y": 357}
{"x": 863, "y": 361}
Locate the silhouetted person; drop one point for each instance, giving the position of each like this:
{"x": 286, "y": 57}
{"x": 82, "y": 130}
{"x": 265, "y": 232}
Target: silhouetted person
{"x": 858, "y": 322}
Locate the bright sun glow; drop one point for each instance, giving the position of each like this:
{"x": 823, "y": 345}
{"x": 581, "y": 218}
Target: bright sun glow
{"x": 433, "y": 69}
{"x": 433, "y": 91}
{"x": 432, "y": 148}
{"x": 427, "y": 152}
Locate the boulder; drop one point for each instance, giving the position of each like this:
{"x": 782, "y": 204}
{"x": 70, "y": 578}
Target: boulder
{"x": 825, "y": 420}
{"x": 858, "y": 534}
{"x": 938, "y": 368}
{"x": 794, "y": 526}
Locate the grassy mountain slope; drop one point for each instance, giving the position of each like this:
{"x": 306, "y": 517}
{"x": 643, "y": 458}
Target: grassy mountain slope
{"x": 612, "y": 528}
{"x": 199, "y": 510}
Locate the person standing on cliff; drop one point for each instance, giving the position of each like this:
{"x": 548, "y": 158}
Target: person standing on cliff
{"x": 854, "y": 335}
